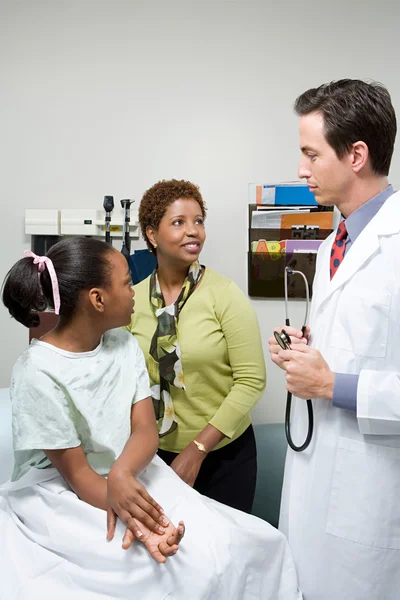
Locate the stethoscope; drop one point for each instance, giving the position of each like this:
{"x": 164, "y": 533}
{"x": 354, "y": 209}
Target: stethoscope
{"x": 283, "y": 340}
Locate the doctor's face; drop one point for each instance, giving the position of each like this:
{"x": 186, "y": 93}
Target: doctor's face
{"x": 328, "y": 176}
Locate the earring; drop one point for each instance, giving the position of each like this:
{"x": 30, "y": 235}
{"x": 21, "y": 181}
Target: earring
{"x": 154, "y": 246}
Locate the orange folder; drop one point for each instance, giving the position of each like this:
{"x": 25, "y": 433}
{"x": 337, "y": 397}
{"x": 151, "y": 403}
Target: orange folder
{"x": 323, "y": 219}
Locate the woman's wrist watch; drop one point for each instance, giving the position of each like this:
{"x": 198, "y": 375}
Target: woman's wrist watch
{"x": 200, "y": 446}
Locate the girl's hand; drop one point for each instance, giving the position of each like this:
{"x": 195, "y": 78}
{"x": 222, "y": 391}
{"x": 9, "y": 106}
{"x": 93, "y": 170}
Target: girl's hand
{"x": 129, "y": 500}
{"x": 160, "y": 547}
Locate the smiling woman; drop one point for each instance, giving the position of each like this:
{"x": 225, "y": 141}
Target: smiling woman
{"x": 201, "y": 341}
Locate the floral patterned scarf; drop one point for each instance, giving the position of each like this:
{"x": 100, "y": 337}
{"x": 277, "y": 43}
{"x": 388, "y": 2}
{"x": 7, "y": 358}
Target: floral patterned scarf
{"x": 165, "y": 366}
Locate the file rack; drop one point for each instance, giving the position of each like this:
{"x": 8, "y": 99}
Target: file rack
{"x": 266, "y": 268}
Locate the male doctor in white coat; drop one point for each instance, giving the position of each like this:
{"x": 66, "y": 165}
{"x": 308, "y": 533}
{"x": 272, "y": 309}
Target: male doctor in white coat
{"x": 341, "y": 498}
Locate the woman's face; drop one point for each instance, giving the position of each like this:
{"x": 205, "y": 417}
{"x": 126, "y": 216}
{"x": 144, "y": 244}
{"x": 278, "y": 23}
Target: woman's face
{"x": 181, "y": 234}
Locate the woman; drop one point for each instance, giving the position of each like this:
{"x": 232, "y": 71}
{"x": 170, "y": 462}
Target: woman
{"x": 85, "y": 439}
{"x": 201, "y": 341}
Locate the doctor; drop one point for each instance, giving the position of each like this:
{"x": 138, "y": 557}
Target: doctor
{"x": 341, "y": 498}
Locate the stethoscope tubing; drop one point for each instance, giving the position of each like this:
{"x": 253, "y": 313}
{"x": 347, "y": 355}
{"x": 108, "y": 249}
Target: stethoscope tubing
{"x": 310, "y": 431}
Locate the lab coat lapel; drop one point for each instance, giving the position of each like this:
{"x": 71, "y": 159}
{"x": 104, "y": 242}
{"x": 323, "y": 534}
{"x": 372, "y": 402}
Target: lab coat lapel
{"x": 321, "y": 291}
{"x": 386, "y": 222}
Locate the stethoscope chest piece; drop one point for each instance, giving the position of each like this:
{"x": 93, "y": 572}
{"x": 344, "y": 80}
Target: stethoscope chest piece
{"x": 283, "y": 339}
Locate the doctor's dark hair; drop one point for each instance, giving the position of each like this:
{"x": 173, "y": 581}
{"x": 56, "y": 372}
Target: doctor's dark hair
{"x": 80, "y": 264}
{"x": 354, "y": 111}
{"x": 156, "y": 200}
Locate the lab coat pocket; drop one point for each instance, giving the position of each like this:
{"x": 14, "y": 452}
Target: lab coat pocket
{"x": 364, "y": 500}
{"x": 362, "y": 322}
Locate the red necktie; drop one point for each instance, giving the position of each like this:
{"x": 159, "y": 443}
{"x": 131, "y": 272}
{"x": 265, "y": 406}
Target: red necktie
{"x": 338, "y": 248}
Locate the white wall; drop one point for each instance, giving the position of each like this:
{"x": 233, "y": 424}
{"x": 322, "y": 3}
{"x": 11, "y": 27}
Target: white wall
{"x": 107, "y": 97}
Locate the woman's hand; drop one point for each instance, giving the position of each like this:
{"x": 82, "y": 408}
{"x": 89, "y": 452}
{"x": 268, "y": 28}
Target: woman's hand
{"x": 129, "y": 500}
{"x": 160, "y": 547}
{"x": 187, "y": 464}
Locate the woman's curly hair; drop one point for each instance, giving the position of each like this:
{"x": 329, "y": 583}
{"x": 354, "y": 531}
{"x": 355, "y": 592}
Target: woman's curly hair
{"x": 156, "y": 200}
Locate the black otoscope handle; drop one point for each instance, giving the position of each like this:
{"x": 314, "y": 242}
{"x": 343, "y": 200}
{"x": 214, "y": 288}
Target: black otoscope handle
{"x": 126, "y": 241}
{"x": 125, "y": 252}
{"x": 108, "y": 206}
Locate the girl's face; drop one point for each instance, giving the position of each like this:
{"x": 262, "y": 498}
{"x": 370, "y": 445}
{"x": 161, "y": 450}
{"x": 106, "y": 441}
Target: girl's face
{"x": 118, "y": 297}
{"x": 180, "y": 236}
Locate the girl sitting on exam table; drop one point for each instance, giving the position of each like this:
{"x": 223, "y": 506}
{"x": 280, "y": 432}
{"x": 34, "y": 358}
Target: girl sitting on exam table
{"x": 201, "y": 341}
{"x": 85, "y": 441}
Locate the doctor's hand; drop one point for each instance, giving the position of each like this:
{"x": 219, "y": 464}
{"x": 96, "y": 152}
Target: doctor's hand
{"x": 296, "y": 337}
{"x": 307, "y": 373}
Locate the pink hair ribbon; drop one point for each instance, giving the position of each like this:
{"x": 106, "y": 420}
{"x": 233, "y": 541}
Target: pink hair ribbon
{"x": 42, "y": 262}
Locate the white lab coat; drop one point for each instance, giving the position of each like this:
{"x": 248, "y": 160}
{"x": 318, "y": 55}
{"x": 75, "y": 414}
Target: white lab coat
{"x": 341, "y": 498}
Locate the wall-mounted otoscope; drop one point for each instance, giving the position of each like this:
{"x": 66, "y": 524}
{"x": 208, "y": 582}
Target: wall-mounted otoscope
{"x": 108, "y": 205}
{"x": 126, "y": 240}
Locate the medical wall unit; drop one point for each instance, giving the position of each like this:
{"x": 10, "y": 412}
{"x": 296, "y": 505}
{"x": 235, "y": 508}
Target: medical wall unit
{"x": 286, "y": 228}
{"x": 47, "y": 226}
{"x": 86, "y": 222}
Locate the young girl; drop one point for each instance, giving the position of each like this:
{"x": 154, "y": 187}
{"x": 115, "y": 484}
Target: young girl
{"x": 85, "y": 439}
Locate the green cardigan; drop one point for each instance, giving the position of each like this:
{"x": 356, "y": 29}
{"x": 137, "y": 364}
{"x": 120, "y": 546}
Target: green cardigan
{"x": 222, "y": 359}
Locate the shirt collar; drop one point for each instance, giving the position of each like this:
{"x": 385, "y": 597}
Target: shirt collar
{"x": 360, "y": 218}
